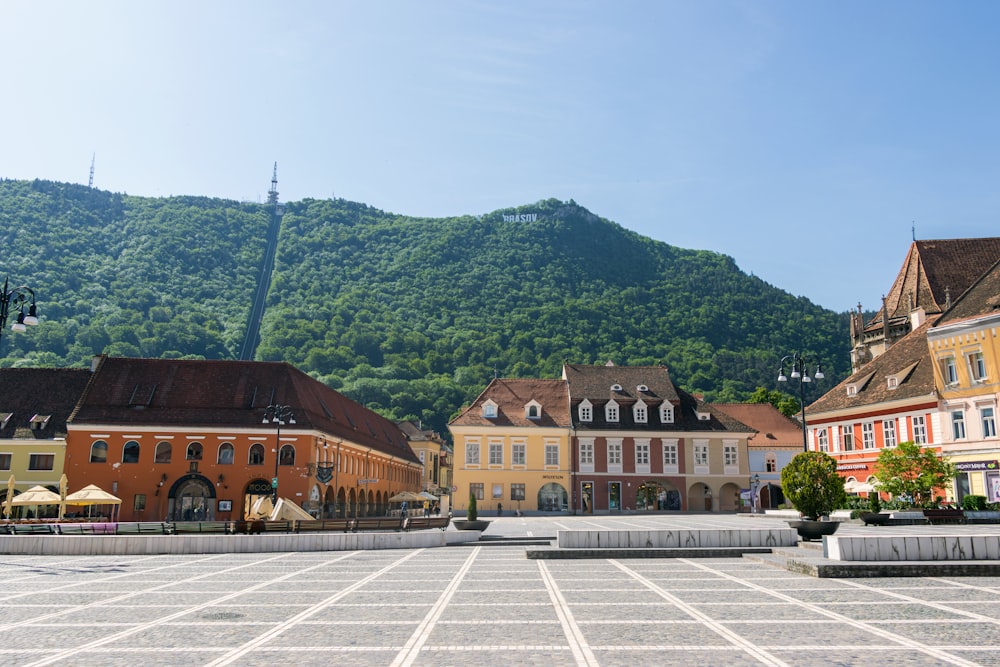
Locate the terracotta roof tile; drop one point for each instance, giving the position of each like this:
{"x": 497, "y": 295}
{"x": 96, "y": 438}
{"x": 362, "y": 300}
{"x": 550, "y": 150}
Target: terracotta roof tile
{"x": 511, "y": 395}
{"x": 773, "y": 428}
{"x": 26, "y": 392}
{"x": 207, "y": 393}
{"x": 983, "y": 298}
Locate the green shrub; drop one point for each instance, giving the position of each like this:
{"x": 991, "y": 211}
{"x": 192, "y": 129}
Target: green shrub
{"x": 811, "y": 483}
{"x": 974, "y": 503}
{"x": 473, "y": 513}
{"x": 874, "y": 503}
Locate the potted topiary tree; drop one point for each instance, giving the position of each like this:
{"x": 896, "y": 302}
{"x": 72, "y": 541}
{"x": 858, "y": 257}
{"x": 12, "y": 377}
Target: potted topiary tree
{"x": 811, "y": 484}
{"x": 472, "y": 520}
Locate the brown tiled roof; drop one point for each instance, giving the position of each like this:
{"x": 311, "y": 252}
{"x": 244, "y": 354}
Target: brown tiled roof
{"x": 26, "y": 392}
{"x": 935, "y": 270}
{"x": 594, "y": 383}
{"x": 910, "y": 354}
{"x": 773, "y": 428}
{"x": 414, "y": 431}
{"x": 173, "y": 392}
{"x": 511, "y": 395}
{"x": 983, "y": 298}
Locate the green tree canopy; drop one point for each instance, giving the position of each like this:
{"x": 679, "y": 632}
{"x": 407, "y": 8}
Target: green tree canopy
{"x": 811, "y": 483}
{"x": 914, "y": 473}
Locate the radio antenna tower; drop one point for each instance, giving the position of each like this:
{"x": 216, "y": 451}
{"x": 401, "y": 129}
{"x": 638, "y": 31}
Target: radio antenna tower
{"x": 272, "y": 194}
{"x": 93, "y": 159}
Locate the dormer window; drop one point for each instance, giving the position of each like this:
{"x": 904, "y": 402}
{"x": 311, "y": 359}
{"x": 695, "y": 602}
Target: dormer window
{"x": 39, "y": 422}
{"x": 852, "y": 390}
{"x": 667, "y": 413}
{"x": 642, "y": 388}
{"x": 892, "y": 382}
{"x": 533, "y": 410}
{"x": 703, "y": 416}
{"x": 489, "y": 410}
{"x": 616, "y": 387}
{"x": 586, "y": 411}
{"x": 611, "y": 411}
{"x": 5, "y": 418}
{"x": 640, "y": 412}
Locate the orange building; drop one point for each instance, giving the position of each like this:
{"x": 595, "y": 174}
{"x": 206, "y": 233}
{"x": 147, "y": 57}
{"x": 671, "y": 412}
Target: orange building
{"x": 188, "y": 440}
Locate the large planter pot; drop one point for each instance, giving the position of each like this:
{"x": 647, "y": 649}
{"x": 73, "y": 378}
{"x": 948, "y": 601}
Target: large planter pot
{"x": 814, "y": 530}
{"x": 875, "y": 519}
{"x": 466, "y": 524}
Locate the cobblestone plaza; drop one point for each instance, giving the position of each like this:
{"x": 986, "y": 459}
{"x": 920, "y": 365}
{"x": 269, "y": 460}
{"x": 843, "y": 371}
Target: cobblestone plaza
{"x": 485, "y": 605}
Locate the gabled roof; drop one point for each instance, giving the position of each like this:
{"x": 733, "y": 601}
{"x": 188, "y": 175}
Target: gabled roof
{"x": 983, "y": 298}
{"x": 27, "y": 392}
{"x": 773, "y": 429}
{"x": 934, "y": 272}
{"x": 909, "y": 361}
{"x": 204, "y": 393}
{"x": 510, "y": 396}
{"x": 596, "y": 384}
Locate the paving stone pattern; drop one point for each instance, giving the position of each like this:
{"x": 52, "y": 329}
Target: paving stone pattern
{"x": 483, "y": 605}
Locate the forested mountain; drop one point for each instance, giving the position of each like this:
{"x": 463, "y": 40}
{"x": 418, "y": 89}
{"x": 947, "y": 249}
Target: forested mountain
{"x": 410, "y": 316}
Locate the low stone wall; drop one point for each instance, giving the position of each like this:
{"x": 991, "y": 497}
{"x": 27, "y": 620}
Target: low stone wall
{"x": 46, "y": 545}
{"x": 676, "y": 539}
{"x": 912, "y": 547}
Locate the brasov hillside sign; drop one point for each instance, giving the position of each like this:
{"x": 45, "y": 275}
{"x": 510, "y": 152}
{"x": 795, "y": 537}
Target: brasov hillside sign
{"x": 521, "y": 217}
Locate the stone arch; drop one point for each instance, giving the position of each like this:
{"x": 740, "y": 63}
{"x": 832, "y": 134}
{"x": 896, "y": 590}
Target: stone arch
{"x": 191, "y": 498}
{"x": 552, "y": 497}
{"x": 700, "y": 497}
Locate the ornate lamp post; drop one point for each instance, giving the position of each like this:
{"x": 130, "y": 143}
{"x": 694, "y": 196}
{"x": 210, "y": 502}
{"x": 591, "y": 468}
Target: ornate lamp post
{"x": 800, "y": 373}
{"x": 277, "y": 415}
{"x": 754, "y": 485}
{"x": 17, "y": 297}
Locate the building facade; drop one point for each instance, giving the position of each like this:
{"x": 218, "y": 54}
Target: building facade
{"x": 432, "y": 450}
{"x": 965, "y": 352}
{"x": 189, "y": 440}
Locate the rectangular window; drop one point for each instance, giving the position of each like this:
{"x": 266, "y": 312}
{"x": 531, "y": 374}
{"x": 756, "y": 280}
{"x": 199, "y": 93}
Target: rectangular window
{"x": 496, "y": 453}
{"x": 472, "y": 453}
{"x": 517, "y": 491}
{"x": 670, "y": 454}
{"x": 729, "y": 455}
{"x": 919, "y": 430}
{"x": 518, "y": 454}
{"x": 640, "y": 413}
{"x": 889, "y": 433}
{"x": 988, "y": 418}
{"x": 586, "y": 412}
{"x": 551, "y": 455}
{"x": 41, "y": 461}
{"x": 958, "y": 424}
{"x": 642, "y": 453}
{"x": 476, "y": 490}
{"x": 977, "y": 367}
{"x": 586, "y": 453}
{"x": 139, "y": 503}
{"x": 847, "y": 437}
{"x": 868, "y": 435}
{"x": 824, "y": 440}
{"x": 611, "y": 412}
{"x": 701, "y": 455}
{"x": 667, "y": 413}
{"x": 949, "y": 370}
{"x": 498, "y": 492}
{"x": 614, "y": 453}
{"x": 5, "y": 461}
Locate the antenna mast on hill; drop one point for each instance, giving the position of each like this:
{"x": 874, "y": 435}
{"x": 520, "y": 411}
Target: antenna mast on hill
{"x": 93, "y": 159}
{"x": 272, "y": 194}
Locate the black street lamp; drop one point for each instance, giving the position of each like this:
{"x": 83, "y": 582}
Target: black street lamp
{"x": 800, "y": 373}
{"x": 277, "y": 415}
{"x": 754, "y": 485}
{"x": 17, "y": 297}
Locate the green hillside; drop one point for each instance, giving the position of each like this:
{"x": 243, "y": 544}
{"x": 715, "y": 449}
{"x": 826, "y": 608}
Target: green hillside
{"x": 411, "y": 316}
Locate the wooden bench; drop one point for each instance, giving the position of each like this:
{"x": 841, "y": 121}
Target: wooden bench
{"x": 943, "y": 516}
{"x": 87, "y": 529}
{"x": 427, "y": 522}
{"x": 323, "y": 525}
{"x": 142, "y": 528}
{"x": 209, "y": 527}
{"x": 377, "y": 523}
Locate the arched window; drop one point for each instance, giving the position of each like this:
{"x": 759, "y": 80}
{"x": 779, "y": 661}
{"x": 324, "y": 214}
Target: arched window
{"x": 226, "y": 454}
{"x": 194, "y": 451}
{"x": 99, "y": 452}
{"x": 287, "y": 457}
{"x": 162, "y": 453}
{"x": 256, "y": 455}
{"x": 130, "y": 453}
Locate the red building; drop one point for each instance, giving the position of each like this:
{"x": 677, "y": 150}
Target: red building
{"x": 187, "y": 439}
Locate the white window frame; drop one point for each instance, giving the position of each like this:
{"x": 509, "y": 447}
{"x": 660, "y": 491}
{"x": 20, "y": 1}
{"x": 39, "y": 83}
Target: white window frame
{"x": 586, "y": 454}
{"x": 640, "y": 413}
{"x": 611, "y": 412}
{"x": 585, "y": 411}
{"x": 670, "y": 456}
{"x": 551, "y": 454}
{"x": 666, "y": 413}
{"x": 823, "y": 439}
{"x": 472, "y": 452}
{"x": 977, "y": 366}
{"x": 949, "y": 371}
{"x": 957, "y": 424}
{"x": 919, "y": 430}
{"x": 847, "y": 437}
{"x": 867, "y": 435}
{"x": 614, "y": 454}
{"x": 518, "y": 453}
{"x": 642, "y": 455}
{"x": 702, "y": 459}
{"x": 988, "y": 423}
{"x": 889, "y": 437}
{"x": 489, "y": 410}
{"x": 495, "y": 452}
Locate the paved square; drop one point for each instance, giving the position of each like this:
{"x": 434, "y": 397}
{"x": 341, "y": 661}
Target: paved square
{"x": 484, "y": 605}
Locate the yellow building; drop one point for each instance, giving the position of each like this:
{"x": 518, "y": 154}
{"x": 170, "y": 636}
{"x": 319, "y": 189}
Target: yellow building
{"x": 965, "y": 348}
{"x": 34, "y": 406}
{"x": 512, "y": 448}
{"x": 432, "y": 450}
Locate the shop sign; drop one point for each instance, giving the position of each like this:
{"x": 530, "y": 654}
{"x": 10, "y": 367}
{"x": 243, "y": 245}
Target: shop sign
{"x": 853, "y": 466}
{"x": 971, "y": 466}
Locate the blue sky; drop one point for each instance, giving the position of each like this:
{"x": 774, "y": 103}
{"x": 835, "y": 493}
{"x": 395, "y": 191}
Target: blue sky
{"x": 804, "y": 139}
